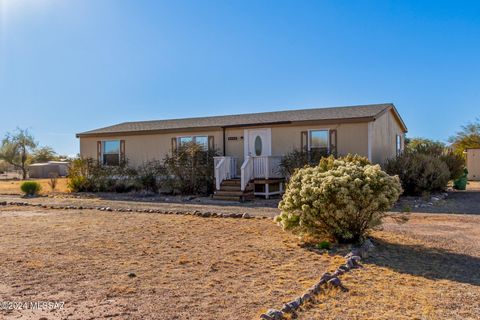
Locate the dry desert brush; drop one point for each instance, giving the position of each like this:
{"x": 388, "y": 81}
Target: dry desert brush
{"x": 340, "y": 198}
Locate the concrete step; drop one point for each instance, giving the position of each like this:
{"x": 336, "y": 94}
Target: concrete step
{"x": 231, "y": 192}
{"x": 226, "y": 198}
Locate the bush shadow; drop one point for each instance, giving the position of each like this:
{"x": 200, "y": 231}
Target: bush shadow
{"x": 430, "y": 263}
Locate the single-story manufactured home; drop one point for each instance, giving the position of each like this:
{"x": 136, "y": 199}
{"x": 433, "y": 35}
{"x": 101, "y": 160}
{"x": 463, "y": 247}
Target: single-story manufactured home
{"x": 251, "y": 145}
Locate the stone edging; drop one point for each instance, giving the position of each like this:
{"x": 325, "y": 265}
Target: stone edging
{"x": 328, "y": 280}
{"x": 205, "y": 214}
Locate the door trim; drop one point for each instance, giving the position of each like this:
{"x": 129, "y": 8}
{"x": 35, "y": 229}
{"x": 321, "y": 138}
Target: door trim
{"x": 246, "y": 142}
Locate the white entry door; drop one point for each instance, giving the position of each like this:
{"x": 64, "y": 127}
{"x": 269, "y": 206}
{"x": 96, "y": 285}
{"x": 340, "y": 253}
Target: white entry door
{"x": 258, "y": 142}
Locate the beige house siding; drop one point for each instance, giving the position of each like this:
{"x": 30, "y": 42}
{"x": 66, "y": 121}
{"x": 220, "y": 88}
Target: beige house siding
{"x": 351, "y": 138}
{"x": 143, "y": 148}
{"x": 383, "y": 137}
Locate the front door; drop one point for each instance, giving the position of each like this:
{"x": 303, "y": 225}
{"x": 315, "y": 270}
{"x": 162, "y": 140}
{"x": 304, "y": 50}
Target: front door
{"x": 258, "y": 142}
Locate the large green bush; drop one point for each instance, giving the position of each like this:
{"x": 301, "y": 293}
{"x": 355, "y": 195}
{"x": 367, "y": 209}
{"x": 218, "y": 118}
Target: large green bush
{"x": 437, "y": 149}
{"x": 340, "y": 198}
{"x": 419, "y": 173}
{"x": 30, "y": 188}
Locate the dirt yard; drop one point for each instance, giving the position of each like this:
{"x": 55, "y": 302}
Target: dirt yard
{"x": 152, "y": 266}
{"x": 13, "y": 186}
{"x": 427, "y": 268}
{"x": 185, "y": 267}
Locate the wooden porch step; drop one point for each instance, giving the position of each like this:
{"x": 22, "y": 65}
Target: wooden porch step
{"x": 230, "y": 188}
{"x": 231, "y": 182}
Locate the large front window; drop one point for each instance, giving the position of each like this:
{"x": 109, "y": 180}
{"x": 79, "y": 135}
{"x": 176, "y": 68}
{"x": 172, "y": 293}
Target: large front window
{"x": 318, "y": 140}
{"x": 111, "y": 153}
{"x": 200, "y": 140}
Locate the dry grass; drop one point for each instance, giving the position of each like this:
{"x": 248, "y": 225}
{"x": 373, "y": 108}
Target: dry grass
{"x": 428, "y": 268}
{"x": 13, "y": 186}
{"x": 186, "y": 267}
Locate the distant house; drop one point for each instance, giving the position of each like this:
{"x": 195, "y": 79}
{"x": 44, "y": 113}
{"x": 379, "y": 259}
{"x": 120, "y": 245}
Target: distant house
{"x": 47, "y": 169}
{"x": 253, "y": 144}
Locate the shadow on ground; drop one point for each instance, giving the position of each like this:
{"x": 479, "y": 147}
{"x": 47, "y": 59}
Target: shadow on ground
{"x": 459, "y": 202}
{"x": 431, "y": 263}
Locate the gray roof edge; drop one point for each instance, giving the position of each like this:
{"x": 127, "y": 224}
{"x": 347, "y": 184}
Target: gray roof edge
{"x": 120, "y": 131}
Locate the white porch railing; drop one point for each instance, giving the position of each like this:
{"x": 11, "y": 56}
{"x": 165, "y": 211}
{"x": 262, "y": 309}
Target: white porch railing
{"x": 225, "y": 168}
{"x": 263, "y": 167}
{"x": 246, "y": 172}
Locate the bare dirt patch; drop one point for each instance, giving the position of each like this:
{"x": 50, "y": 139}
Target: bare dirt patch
{"x": 181, "y": 267}
{"x": 12, "y": 187}
{"x": 427, "y": 268}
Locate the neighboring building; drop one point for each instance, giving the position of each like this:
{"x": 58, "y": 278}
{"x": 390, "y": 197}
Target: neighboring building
{"x": 47, "y": 169}
{"x": 252, "y": 144}
{"x": 473, "y": 164}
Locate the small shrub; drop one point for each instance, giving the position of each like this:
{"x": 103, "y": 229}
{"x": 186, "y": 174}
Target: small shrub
{"x": 324, "y": 245}
{"x": 340, "y": 198}
{"x": 30, "y": 188}
{"x": 53, "y": 181}
{"x": 148, "y": 176}
{"x": 419, "y": 173}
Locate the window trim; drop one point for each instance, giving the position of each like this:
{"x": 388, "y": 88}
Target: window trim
{"x": 309, "y": 138}
{"x": 104, "y": 153}
{"x": 398, "y": 144}
{"x": 194, "y": 140}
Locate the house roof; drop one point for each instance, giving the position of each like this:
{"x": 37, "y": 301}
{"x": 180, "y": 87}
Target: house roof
{"x": 340, "y": 114}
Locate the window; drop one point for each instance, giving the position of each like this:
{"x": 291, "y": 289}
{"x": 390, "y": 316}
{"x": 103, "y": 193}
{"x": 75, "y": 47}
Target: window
{"x": 111, "y": 153}
{"x": 258, "y": 146}
{"x": 201, "y": 140}
{"x": 398, "y": 144}
{"x": 318, "y": 140}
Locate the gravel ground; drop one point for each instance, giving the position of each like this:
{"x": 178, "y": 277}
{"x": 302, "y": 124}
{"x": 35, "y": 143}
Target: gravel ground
{"x": 180, "y": 267}
{"x": 426, "y": 268}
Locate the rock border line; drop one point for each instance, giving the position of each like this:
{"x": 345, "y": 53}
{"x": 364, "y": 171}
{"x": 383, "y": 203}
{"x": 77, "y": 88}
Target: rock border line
{"x": 327, "y": 280}
{"x": 204, "y": 214}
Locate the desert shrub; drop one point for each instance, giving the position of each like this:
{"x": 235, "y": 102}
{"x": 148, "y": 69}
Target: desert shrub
{"x": 87, "y": 175}
{"x": 437, "y": 149}
{"x": 419, "y": 173}
{"x": 30, "y": 188}
{"x": 324, "y": 245}
{"x": 454, "y": 162}
{"x": 297, "y": 159}
{"x": 189, "y": 170}
{"x": 53, "y": 180}
{"x": 340, "y": 198}
{"x": 148, "y": 175}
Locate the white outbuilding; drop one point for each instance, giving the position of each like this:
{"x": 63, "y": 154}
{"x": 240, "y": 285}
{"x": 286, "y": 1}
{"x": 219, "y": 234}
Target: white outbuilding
{"x": 473, "y": 164}
{"x": 47, "y": 169}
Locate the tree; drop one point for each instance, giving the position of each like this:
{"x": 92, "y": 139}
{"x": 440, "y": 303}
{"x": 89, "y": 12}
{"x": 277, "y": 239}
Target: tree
{"x": 467, "y": 137}
{"x": 16, "y": 149}
{"x": 44, "y": 154}
{"x": 425, "y": 146}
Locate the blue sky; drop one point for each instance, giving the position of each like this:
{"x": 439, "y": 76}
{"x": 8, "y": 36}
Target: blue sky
{"x": 68, "y": 66}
